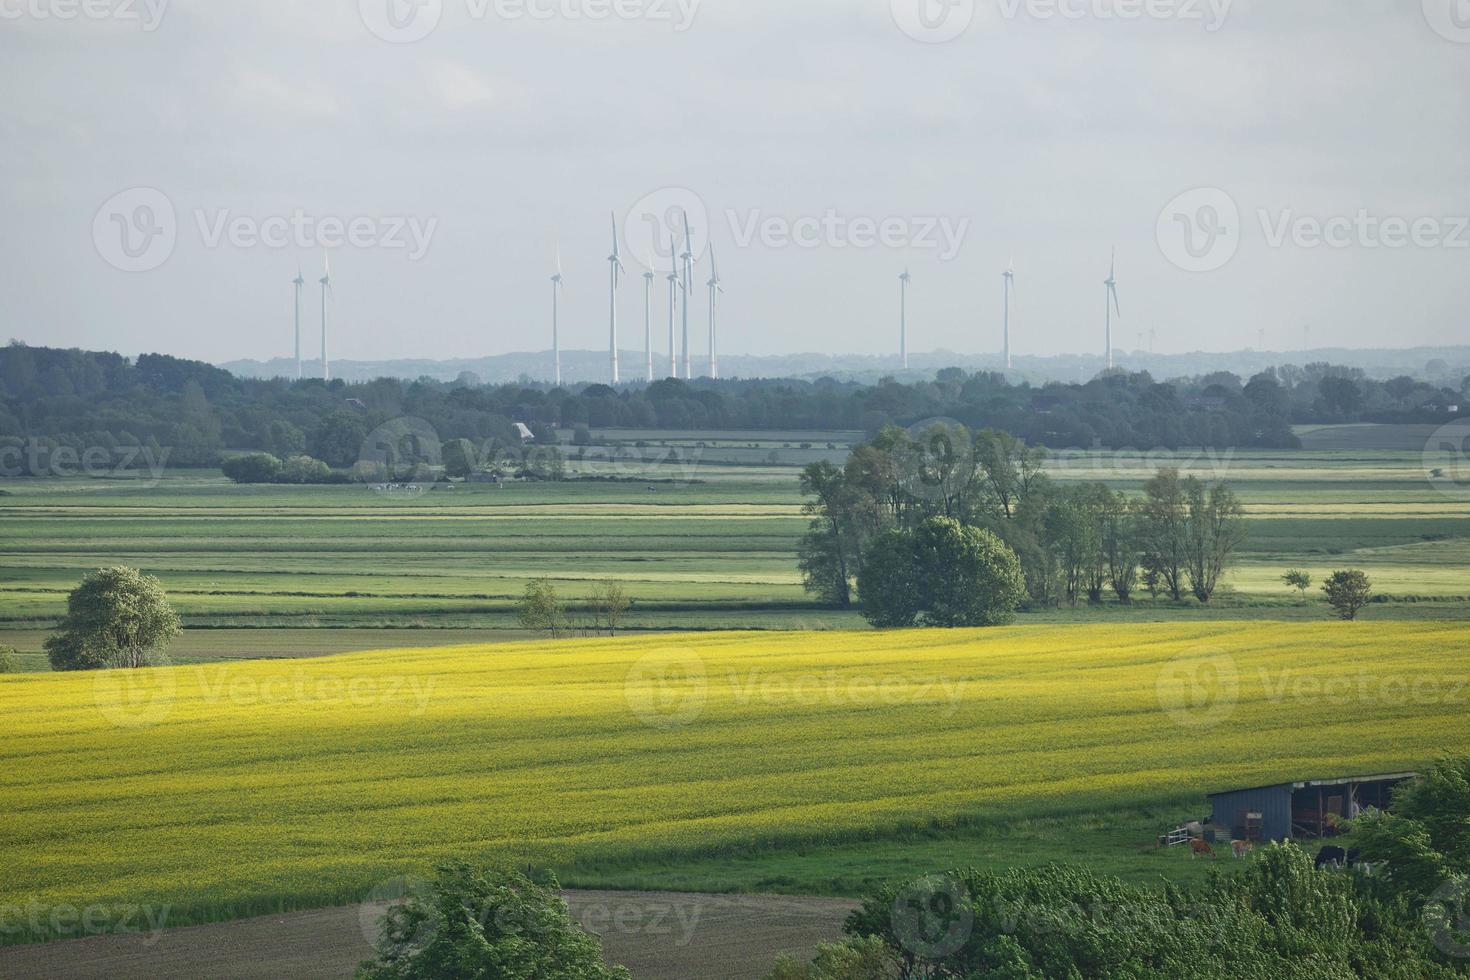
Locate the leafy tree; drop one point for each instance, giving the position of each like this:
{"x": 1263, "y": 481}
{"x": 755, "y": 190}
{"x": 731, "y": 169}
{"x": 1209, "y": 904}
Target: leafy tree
{"x": 1118, "y": 530}
{"x": 9, "y": 664}
{"x": 475, "y": 925}
{"x": 843, "y": 517}
{"x": 544, "y": 463}
{"x": 581, "y": 436}
{"x": 1071, "y": 534}
{"x": 889, "y": 581}
{"x": 1010, "y": 467}
{"x": 1214, "y": 528}
{"x": 540, "y": 609}
{"x": 286, "y": 439}
{"x": 1348, "y": 591}
{"x": 338, "y": 439}
{"x": 967, "y": 576}
{"x": 116, "y": 617}
{"x": 1425, "y": 835}
{"x": 1299, "y": 580}
{"x": 252, "y": 468}
{"x": 460, "y": 457}
{"x": 1163, "y": 519}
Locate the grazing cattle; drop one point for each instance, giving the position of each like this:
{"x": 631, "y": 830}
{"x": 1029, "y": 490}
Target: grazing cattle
{"x": 1336, "y": 857}
{"x": 1200, "y": 846}
{"x": 1240, "y": 848}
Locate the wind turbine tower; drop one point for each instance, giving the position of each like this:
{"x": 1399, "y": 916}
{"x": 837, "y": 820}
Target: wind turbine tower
{"x": 903, "y": 318}
{"x": 1010, "y": 283}
{"x": 688, "y": 256}
{"x": 714, "y": 335}
{"x": 326, "y": 282}
{"x": 615, "y": 266}
{"x": 1111, "y": 304}
{"x": 556, "y": 288}
{"x": 673, "y": 278}
{"x": 648, "y": 316}
{"x": 298, "y": 282}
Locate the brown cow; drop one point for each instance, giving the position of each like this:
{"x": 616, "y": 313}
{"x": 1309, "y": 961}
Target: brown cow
{"x": 1200, "y": 846}
{"x": 1240, "y": 848}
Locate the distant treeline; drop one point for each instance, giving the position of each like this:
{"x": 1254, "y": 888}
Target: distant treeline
{"x": 84, "y": 400}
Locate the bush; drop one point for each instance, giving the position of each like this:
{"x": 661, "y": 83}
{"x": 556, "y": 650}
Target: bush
{"x": 305, "y": 469}
{"x": 9, "y": 664}
{"x": 478, "y": 924}
{"x": 252, "y": 468}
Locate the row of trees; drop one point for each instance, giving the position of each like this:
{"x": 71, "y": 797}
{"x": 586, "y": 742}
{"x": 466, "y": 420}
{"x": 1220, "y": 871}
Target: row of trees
{"x": 1072, "y": 542}
{"x": 82, "y": 399}
{"x": 542, "y": 609}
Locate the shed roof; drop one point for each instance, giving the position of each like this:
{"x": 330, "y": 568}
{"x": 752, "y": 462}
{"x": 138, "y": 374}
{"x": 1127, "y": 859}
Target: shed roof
{"x": 1304, "y": 783}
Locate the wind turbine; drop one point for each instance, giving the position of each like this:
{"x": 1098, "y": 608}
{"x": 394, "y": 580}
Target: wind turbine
{"x": 298, "y": 282}
{"x": 326, "y": 281}
{"x": 615, "y": 266}
{"x": 648, "y": 315}
{"x": 673, "y": 278}
{"x": 688, "y": 256}
{"x": 1111, "y": 282}
{"x": 903, "y": 317}
{"x": 556, "y": 288}
{"x": 714, "y": 290}
{"x": 1010, "y": 283}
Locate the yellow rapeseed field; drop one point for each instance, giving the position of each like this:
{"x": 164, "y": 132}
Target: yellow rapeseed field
{"x": 245, "y": 787}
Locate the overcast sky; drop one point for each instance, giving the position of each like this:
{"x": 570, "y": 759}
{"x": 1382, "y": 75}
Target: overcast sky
{"x": 822, "y": 146}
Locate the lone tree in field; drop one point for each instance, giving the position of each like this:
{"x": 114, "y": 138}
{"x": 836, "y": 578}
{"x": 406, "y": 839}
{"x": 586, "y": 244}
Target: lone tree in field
{"x": 117, "y": 617}
{"x": 1348, "y": 592}
{"x": 472, "y": 924}
{"x": 1299, "y": 580}
{"x": 540, "y": 610}
{"x": 955, "y": 575}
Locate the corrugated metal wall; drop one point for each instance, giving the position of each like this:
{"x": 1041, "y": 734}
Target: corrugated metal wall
{"x": 1272, "y": 802}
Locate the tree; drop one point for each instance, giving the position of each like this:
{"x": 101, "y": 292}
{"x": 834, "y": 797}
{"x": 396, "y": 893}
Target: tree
{"x": 1425, "y": 836}
{"x": 1162, "y": 535}
{"x": 540, "y": 610}
{"x": 830, "y": 553}
{"x": 1299, "y": 580}
{"x": 865, "y": 958}
{"x": 305, "y": 469}
{"x": 116, "y": 617}
{"x": 338, "y": 439}
{"x": 1119, "y": 533}
{"x": 888, "y": 583}
{"x": 1010, "y": 467}
{"x": 252, "y": 468}
{"x": 1348, "y": 592}
{"x": 610, "y": 601}
{"x": 473, "y": 924}
{"x": 9, "y": 664}
{"x": 967, "y": 576}
{"x": 460, "y": 458}
{"x": 1214, "y": 527}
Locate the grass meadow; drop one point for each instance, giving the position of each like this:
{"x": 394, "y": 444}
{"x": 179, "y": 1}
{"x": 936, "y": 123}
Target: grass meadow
{"x": 246, "y": 787}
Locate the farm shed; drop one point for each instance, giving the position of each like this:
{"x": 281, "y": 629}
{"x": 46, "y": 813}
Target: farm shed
{"x": 1308, "y": 808}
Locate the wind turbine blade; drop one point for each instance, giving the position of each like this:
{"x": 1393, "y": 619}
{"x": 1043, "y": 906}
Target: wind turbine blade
{"x": 1114, "y": 293}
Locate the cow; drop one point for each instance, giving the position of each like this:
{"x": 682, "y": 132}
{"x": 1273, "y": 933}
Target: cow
{"x": 1240, "y": 848}
{"x": 1200, "y": 846}
{"x": 1331, "y": 856}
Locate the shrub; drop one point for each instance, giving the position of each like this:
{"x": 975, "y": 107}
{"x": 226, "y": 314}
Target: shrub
{"x": 252, "y": 468}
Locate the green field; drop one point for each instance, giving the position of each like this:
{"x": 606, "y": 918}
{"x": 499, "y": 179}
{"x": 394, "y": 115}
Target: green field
{"x": 232, "y": 788}
{"x": 712, "y": 549}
